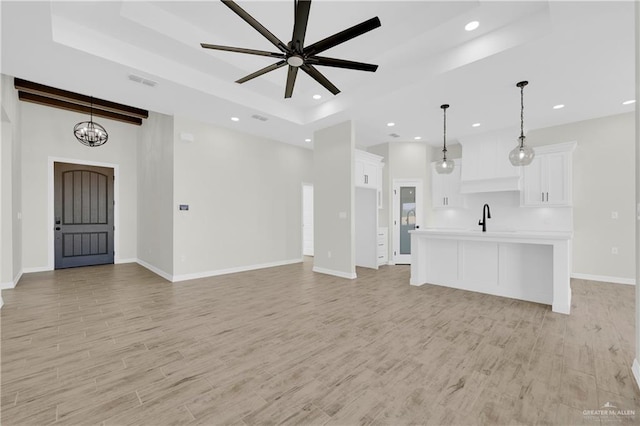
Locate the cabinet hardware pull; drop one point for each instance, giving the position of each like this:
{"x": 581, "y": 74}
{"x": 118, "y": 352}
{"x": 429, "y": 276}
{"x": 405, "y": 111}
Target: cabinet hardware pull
{"x": 542, "y": 196}
{"x": 547, "y": 197}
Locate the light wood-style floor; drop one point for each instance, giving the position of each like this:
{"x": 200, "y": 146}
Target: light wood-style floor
{"x": 118, "y": 345}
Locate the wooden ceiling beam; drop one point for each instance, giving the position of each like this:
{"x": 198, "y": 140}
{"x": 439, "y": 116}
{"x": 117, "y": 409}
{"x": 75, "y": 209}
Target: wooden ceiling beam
{"x": 70, "y": 106}
{"x": 78, "y": 99}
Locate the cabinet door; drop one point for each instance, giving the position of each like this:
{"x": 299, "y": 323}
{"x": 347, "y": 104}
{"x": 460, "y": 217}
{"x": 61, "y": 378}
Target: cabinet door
{"x": 453, "y": 197}
{"x": 533, "y": 188}
{"x": 370, "y": 175}
{"x": 359, "y": 173}
{"x": 557, "y": 182}
{"x": 445, "y": 189}
{"x": 437, "y": 188}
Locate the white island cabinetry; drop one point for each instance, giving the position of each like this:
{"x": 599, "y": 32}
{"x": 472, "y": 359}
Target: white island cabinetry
{"x": 532, "y": 266}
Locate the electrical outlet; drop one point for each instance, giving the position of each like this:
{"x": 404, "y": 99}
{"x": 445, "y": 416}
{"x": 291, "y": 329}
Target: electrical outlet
{"x": 614, "y": 215}
{"x": 329, "y": 254}
{"x": 614, "y": 250}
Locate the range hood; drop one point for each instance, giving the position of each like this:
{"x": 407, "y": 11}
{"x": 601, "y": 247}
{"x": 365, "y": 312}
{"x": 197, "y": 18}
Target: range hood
{"x": 485, "y": 163}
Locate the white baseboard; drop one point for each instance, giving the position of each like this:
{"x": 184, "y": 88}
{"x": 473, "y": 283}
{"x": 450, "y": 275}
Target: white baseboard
{"x": 11, "y": 284}
{"x": 155, "y": 270}
{"x": 635, "y": 368}
{"x": 205, "y": 274}
{"x": 7, "y": 285}
{"x": 603, "y": 278}
{"x": 37, "y": 269}
{"x": 129, "y": 260}
{"x": 349, "y": 276}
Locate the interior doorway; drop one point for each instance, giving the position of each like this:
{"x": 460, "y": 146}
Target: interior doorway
{"x": 83, "y": 215}
{"x": 407, "y": 216}
{"x": 307, "y": 219}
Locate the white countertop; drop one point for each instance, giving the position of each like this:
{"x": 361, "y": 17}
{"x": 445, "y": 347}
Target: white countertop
{"x": 491, "y": 235}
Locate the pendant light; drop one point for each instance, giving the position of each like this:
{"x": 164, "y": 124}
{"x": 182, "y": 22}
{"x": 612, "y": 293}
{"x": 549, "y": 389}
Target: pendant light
{"x": 444, "y": 166}
{"x": 521, "y": 155}
{"x": 90, "y": 133}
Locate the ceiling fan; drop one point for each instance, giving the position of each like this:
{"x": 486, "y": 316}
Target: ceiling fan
{"x": 295, "y": 54}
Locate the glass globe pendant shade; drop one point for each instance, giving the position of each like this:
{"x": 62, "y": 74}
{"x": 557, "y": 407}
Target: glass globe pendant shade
{"x": 90, "y": 133}
{"x": 445, "y": 166}
{"x": 521, "y": 155}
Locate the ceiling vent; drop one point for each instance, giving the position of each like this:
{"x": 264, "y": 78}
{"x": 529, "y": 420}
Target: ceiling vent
{"x": 394, "y": 135}
{"x": 259, "y": 117}
{"x": 142, "y": 80}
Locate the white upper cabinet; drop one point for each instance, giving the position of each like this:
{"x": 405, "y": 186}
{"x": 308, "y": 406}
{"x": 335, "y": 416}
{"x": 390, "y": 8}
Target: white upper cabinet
{"x": 547, "y": 180}
{"x": 445, "y": 189}
{"x": 368, "y": 167}
{"x": 368, "y": 171}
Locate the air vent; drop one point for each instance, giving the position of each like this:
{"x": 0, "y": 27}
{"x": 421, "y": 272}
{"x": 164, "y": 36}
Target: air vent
{"x": 142, "y": 80}
{"x": 394, "y": 135}
{"x": 259, "y": 117}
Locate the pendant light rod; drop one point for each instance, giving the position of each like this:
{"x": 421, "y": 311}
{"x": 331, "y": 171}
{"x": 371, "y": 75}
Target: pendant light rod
{"x": 521, "y": 155}
{"x": 521, "y": 86}
{"x": 444, "y": 139}
{"x": 444, "y": 166}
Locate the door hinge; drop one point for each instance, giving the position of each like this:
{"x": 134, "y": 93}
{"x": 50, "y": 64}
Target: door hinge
{"x": 394, "y": 253}
{"x": 394, "y": 192}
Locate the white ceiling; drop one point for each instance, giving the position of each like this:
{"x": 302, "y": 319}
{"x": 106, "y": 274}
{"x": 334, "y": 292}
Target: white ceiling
{"x": 580, "y": 54}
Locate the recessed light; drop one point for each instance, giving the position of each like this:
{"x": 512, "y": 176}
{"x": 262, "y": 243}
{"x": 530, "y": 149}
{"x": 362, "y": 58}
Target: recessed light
{"x": 235, "y": 119}
{"x": 629, "y": 102}
{"x": 307, "y": 140}
{"x": 472, "y": 25}
{"x": 317, "y": 97}
{"x": 559, "y": 106}
{"x": 391, "y": 124}
{"x": 417, "y": 138}
{"x": 475, "y": 125}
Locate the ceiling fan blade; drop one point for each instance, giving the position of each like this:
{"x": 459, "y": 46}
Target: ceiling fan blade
{"x": 317, "y": 76}
{"x": 242, "y": 50}
{"x": 302, "y": 8}
{"x": 342, "y": 36}
{"x": 291, "y": 81}
{"x": 262, "y": 71}
{"x": 340, "y": 63}
{"x": 256, "y": 25}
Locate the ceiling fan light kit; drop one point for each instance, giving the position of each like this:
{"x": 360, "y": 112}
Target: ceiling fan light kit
{"x": 294, "y": 54}
{"x": 521, "y": 155}
{"x": 444, "y": 166}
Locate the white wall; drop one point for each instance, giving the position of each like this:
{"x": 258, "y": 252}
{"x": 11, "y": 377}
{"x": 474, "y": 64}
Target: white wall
{"x": 603, "y": 182}
{"x": 48, "y": 132}
{"x": 10, "y": 187}
{"x": 245, "y": 200}
{"x": 155, "y": 171}
{"x": 636, "y": 365}
{"x": 333, "y": 214}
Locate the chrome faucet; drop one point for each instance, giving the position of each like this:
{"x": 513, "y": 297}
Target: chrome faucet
{"x": 486, "y": 214}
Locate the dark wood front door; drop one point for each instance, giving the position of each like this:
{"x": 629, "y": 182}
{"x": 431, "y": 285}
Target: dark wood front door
{"x": 83, "y": 215}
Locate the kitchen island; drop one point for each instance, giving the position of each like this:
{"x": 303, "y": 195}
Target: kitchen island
{"x": 526, "y": 265}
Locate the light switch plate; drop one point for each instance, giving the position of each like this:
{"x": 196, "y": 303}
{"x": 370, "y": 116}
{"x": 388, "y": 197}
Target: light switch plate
{"x": 614, "y": 215}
